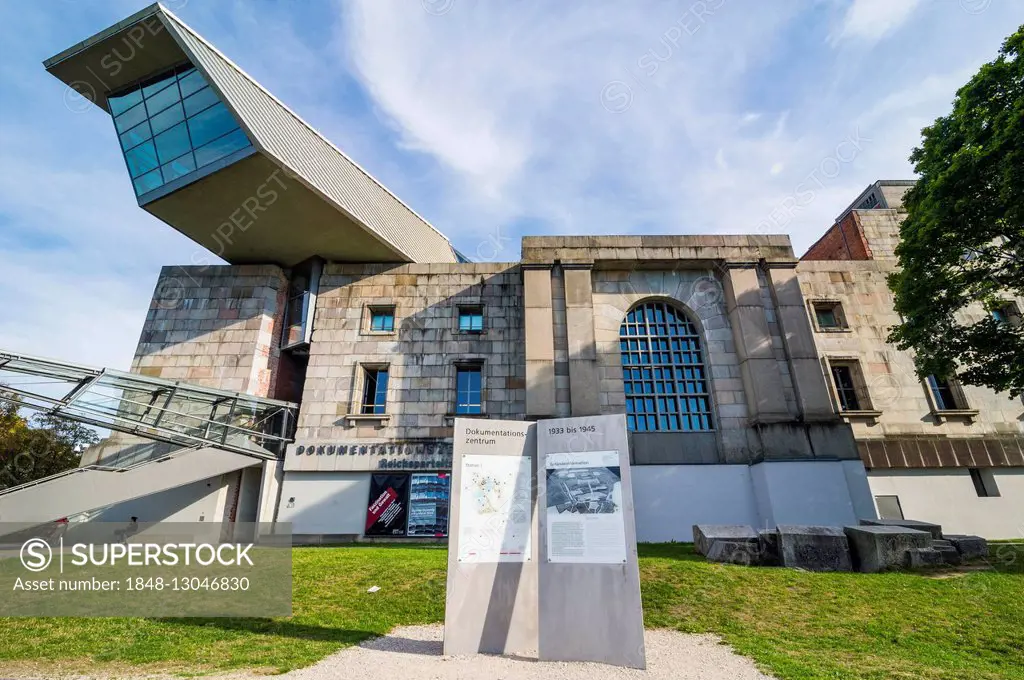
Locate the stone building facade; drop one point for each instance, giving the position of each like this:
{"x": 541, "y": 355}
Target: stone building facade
{"x": 757, "y": 387}
{"x": 953, "y": 456}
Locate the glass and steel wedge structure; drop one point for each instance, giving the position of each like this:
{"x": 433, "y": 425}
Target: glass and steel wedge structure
{"x": 212, "y": 153}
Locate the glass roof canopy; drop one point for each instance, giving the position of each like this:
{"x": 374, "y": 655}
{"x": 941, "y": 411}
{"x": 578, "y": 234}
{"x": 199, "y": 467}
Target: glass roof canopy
{"x": 161, "y": 410}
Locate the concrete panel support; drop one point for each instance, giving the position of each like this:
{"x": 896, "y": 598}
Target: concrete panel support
{"x": 540, "y": 344}
{"x": 808, "y": 382}
{"x": 584, "y": 385}
{"x": 762, "y": 380}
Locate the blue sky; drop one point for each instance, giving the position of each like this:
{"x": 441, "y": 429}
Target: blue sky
{"x": 493, "y": 120}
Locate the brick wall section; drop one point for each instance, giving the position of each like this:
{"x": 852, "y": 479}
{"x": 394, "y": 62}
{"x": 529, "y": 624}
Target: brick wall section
{"x": 216, "y": 326}
{"x": 421, "y": 353}
{"x": 844, "y": 241}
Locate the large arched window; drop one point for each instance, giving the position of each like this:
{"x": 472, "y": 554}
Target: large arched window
{"x": 663, "y": 371}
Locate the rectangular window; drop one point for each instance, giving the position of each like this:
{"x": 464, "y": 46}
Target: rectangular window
{"x": 846, "y": 388}
{"x": 375, "y": 391}
{"x": 382, "y": 319}
{"x": 828, "y": 316}
{"x": 942, "y": 394}
{"x": 183, "y": 117}
{"x": 468, "y": 384}
{"x": 984, "y": 483}
{"x": 889, "y": 507}
{"x": 471, "y": 319}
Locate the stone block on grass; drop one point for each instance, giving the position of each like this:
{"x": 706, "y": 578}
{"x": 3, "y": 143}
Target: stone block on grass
{"x": 934, "y": 529}
{"x": 969, "y": 547}
{"x": 735, "y": 552}
{"x": 923, "y": 558}
{"x": 878, "y": 548}
{"x": 704, "y": 535}
{"x": 769, "y": 541}
{"x": 814, "y": 548}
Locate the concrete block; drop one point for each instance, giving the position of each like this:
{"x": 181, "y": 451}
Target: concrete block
{"x": 950, "y": 555}
{"x": 878, "y": 548}
{"x": 934, "y": 529}
{"x": 769, "y": 543}
{"x": 969, "y": 547}
{"x": 735, "y": 552}
{"x": 923, "y": 558}
{"x": 814, "y": 548}
{"x": 704, "y": 535}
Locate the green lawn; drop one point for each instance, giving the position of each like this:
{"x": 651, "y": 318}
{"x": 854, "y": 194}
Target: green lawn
{"x": 794, "y": 624}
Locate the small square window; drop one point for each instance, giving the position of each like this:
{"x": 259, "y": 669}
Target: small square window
{"x": 984, "y": 483}
{"x": 382, "y": 319}
{"x": 468, "y": 388}
{"x": 943, "y": 394}
{"x": 471, "y": 319}
{"x": 375, "y": 391}
{"x": 828, "y": 316}
{"x": 1006, "y": 312}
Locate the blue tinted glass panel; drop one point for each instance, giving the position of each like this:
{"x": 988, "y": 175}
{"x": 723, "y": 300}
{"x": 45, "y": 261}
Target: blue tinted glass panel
{"x": 136, "y": 135}
{"x": 212, "y": 123}
{"x": 148, "y": 182}
{"x": 173, "y": 126}
{"x": 178, "y": 167}
{"x": 162, "y": 100}
{"x": 471, "y": 320}
{"x": 468, "y": 391}
{"x": 130, "y": 118}
{"x": 167, "y": 118}
{"x": 123, "y": 102}
{"x": 651, "y": 343}
{"x": 191, "y": 82}
{"x": 219, "y": 148}
{"x": 172, "y": 143}
{"x": 382, "y": 320}
{"x": 203, "y": 99}
{"x": 375, "y": 391}
{"x": 141, "y": 159}
{"x": 159, "y": 84}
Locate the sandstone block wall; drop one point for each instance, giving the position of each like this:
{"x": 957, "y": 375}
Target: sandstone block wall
{"x": 217, "y": 326}
{"x": 422, "y": 352}
{"x": 892, "y": 385}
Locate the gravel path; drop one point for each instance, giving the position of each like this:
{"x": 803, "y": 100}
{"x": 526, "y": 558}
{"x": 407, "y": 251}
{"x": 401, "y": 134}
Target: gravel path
{"x": 415, "y": 652}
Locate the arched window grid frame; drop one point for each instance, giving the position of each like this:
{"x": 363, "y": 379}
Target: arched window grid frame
{"x": 691, "y": 375}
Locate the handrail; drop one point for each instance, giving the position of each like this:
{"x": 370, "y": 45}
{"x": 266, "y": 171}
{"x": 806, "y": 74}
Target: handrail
{"x": 98, "y": 468}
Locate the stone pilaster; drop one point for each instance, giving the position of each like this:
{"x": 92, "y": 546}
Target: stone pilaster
{"x": 540, "y": 345}
{"x": 584, "y": 383}
{"x": 762, "y": 380}
{"x": 808, "y": 381}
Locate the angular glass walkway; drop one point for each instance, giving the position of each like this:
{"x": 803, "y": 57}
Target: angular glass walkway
{"x": 152, "y": 408}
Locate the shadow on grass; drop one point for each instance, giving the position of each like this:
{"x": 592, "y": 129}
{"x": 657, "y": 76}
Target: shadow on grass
{"x": 672, "y": 551}
{"x": 278, "y": 628}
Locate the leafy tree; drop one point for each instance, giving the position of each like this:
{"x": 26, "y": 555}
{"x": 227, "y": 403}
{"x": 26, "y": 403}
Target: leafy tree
{"x": 962, "y": 241}
{"x": 37, "y": 447}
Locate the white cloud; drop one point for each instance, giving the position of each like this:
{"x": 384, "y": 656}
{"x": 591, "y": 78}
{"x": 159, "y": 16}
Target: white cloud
{"x": 872, "y": 20}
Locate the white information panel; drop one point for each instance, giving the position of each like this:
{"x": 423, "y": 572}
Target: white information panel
{"x": 495, "y": 514}
{"x": 585, "y": 520}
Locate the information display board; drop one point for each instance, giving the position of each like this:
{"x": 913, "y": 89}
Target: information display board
{"x": 496, "y": 508}
{"x": 388, "y": 509}
{"x": 589, "y": 580}
{"x": 585, "y": 522}
{"x": 428, "y": 503}
{"x": 491, "y": 598}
